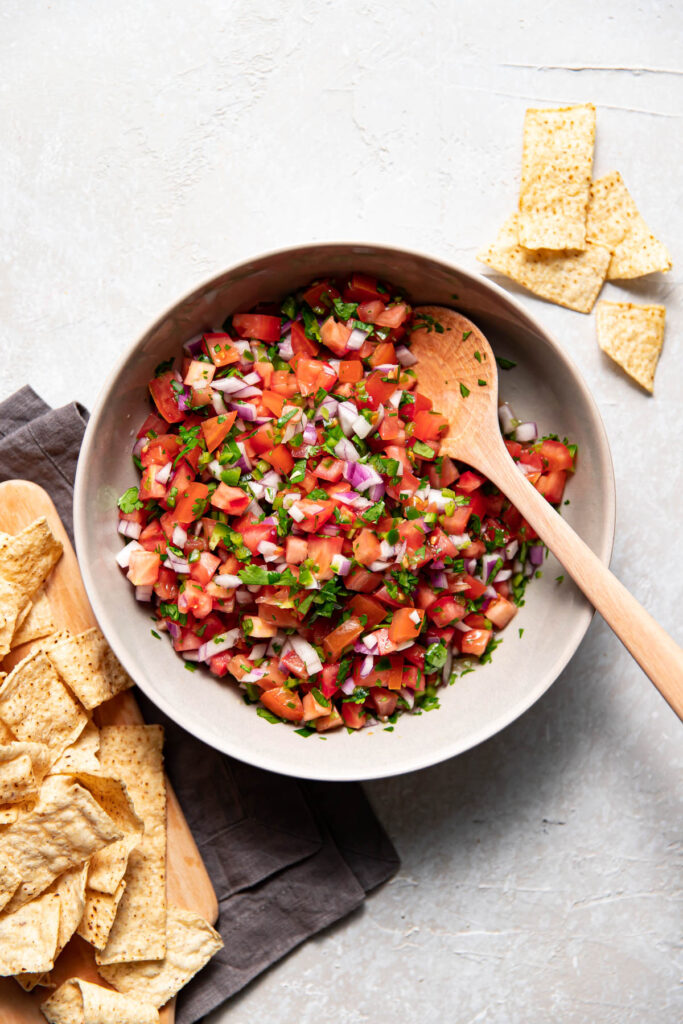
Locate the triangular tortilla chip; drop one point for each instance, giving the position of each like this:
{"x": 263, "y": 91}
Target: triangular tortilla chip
{"x": 632, "y": 336}
{"x": 80, "y": 1002}
{"x": 556, "y": 174}
{"x": 81, "y": 755}
{"x": 614, "y": 221}
{"x": 190, "y": 944}
{"x": 134, "y": 754}
{"x": 66, "y": 827}
{"x": 89, "y": 668}
{"x": 98, "y": 916}
{"x": 70, "y": 888}
{"x": 38, "y": 621}
{"x": 28, "y": 937}
{"x": 571, "y": 279}
{"x": 37, "y": 706}
{"x": 28, "y": 558}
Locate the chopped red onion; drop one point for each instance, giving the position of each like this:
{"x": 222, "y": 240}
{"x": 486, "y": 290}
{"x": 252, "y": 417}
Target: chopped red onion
{"x": 367, "y": 666}
{"x": 507, "y": 418}
{"x": 348, "y": 686}
{"x": 526, "y": 432}
{"x": 227, "y": 579}
{"x": 310, "y": 434}
{"x": 405, "y": 356}
{"x": 144, "y": 593}
{"x": 346, "y": 450}
{"x": 307, "y": 653}
{"x": 536, "y": 554}
{"x": 348, "y": 414}
{"x": 139, "y": 445}
{"x": 408, "y": 696}
{"x": 502, "y": 575}
{"x": 193, "y": 346}
{"x": 178, "y": 565}
{"x": 245, "y": 409}
{"x": 219, "y": 406}
{"x": 511, "y": 549}
{"x": 127, "y": 528}
{"x": 285, "y": 348}
{"x": 356, "y": 339}
{"x": 438, "y": 579}
{"x": 179, "y": 537}
{"x": 229, "y": 385}
{"x": 377, "y": 491}
{"x": 123, "y": 557}
{"x": 173, "y": 628}
{"x": 218, "y": 644}
{"x": 447, "y": 666}
{"x": 462, "y": 626}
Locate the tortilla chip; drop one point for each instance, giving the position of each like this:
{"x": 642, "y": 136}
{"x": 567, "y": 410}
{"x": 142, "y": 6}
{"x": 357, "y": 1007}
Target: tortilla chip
{"x": 37, "y": 623}
{"x": 80, "y": 756}
{"x": 190, "y": 944}
{"x": 21, "y": 618}
{"x": 571, "y": 279}
{"x": 556, "y": 177}
{"x": 37, "y": 706}
{"x": 27, "y": 559}
{"x": 6, "y": 734}
{"x": 90, "y": 668}
{"x": 632, "y": 336}
{"x": 28, "y": 937}
{"x": 614, "y": 221}
{"x": 133, "y": 753}
{"x": 98, "y": 916}
{"x": 80, "y": 1002}
{"x": 9, "y": 879}
{"x": 12, "y": 600}
{"x": 108, "y": 866}
{"x": 66, "y": 827}
{"x": 55, "y": 638}
{"x": 70, "y": 888}
{"x": 7, "y": 816}
{"x": 23, "y": 766}
{"x": 17, "y": 781}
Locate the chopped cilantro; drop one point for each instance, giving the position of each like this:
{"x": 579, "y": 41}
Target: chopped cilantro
{"x": 505, "y": 364}
{"x": 129, "y": 501}
{"x": 464, "y": 390}
{"x": 268, "y": 715}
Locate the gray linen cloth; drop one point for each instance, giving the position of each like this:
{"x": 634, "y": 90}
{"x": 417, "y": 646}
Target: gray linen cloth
{"x": 287, "y": 857}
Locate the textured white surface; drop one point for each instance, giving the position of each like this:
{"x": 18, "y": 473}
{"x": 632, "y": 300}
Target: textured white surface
{"x": 147, "y": 146}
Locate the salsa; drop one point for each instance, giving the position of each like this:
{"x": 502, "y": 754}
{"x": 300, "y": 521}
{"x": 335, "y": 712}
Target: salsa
{"x": 295, "y": 526}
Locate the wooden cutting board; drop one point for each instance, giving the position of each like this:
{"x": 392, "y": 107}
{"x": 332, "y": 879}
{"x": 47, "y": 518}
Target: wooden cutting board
{"x": 187, "y": 883}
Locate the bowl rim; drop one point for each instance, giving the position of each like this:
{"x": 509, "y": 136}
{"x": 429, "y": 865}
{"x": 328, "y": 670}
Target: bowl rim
{"x": 428, "y": 758}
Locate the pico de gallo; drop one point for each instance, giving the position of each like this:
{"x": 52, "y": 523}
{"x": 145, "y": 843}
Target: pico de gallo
{"x": 296, "y": 528}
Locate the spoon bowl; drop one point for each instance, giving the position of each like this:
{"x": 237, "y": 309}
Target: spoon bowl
{"x": 457, "y": 370}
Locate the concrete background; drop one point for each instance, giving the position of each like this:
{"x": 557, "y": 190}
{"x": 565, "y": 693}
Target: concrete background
{"x": 145, "y": 147}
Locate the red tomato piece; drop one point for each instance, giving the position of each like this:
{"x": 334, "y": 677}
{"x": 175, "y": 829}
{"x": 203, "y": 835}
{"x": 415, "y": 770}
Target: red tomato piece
{"x": 165, "y": 397}
{"x": 232, "y": 500}
{"x": 257, "y": 325}
{"x": 216, "y": 428}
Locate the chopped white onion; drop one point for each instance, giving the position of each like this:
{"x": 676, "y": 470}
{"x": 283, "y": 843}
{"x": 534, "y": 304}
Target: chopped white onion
{"x": 295, "y": 512}
{"x": 123, "y": 557}
{"x": 218, "y": 644}
{"x": 361, "y": 427}
{"x": 179, "y": 537}
{"x": 164, "y": 473}
{"x": 129, "y": 529}
{"x": 226, "y": 579}
{"x": 307, "y": 653}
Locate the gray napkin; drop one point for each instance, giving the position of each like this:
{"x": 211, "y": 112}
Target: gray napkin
{"x": 286, "y": 857}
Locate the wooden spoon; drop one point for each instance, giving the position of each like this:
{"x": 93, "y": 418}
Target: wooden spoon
{"x": 449, "y": 373}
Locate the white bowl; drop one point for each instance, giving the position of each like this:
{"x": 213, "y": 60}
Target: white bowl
{"x": 545, "y": 386}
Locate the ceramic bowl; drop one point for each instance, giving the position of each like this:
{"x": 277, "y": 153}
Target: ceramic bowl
{"x": 545, "y": 386}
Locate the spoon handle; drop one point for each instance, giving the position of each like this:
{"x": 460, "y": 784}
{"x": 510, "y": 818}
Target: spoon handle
{"x": 657, "y": 654}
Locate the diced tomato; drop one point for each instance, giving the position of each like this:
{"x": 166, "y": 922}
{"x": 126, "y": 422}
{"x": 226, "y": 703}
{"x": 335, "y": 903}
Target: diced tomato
{"x": 420, "y": 403}
{"x": 284, "y": 703}
{"x": 191, "y": 503}
{"x": 335, "y": 336}
{"x": 320, "y": 296}
{"x": 329, "y": 469}
{"x": 350, "y": 370}
{"x": 152, "y": 538}
{"x": 312, "y": 374}
{"x": 219, "y": 349}
{"x": 165, "y": 397}
{"x": 331, "y": 721}
{"x": 153, "y": 424}
{"x": 220, "y": 664}
{"x": 379, "y": 386}
{"x": 296, "y": 550}
{"x": 328, "y": 679}
{"x": 501, "y": 611}
{"x": 366, "y": 547}
{"x": 457, "y": 522}
{"x": 446, "y": 610}
{"x": 232, "y": 500}
{"x": 474, "y": 588}
{"x": 384, "y": 701}
{"x": 383, "y": 355}
{"x": 149, "y": 487}
{"x": 413, "y": 677}
{"x": 475, "y": 641}
{"x": 216, "y": 428}
{"x": 193, "y": 598}
{"x": 555, "y": 455}
{"x": 354, "y": 716}
{"x": 392, "y": 316}
{"x": 444, "y": 474}
{"x": 321, "y": 551}
{"x": 280, "y": 459}
{"x": 406, "y": 624}
{"x": 391, "y": 427}
{"x": 161, "y": 449}
{"x": 429, "y": 425}
{"x": 469, "y": 481}
{"x": 551, "y": 485}
{"x": 256, "y": 325}
{"x": 316, "y": 513}
{"x": 342, "y": 637}
{"x": 362, "y": 288}
{"x": 283, "y": 382}
{"x": 143, "y": 568}
{"x": 528, "y": 457}
{"x": 364, "y": 605}
{"x": 361, "y": 580}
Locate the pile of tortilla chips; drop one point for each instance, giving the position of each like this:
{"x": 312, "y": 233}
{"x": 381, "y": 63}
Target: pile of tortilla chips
{"x": 572, "y": 233}
{"x": 82, "y": 817}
